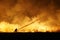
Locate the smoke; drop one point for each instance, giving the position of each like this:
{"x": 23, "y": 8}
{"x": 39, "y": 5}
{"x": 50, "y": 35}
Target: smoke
{"x": 24, "y": 11}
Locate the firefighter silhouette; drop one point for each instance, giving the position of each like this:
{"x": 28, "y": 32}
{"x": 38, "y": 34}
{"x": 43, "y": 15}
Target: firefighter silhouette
{"x": 15, "y": 30}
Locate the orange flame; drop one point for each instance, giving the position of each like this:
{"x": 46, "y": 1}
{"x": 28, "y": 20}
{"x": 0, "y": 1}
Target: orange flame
{"x": 6, "y": 27}
{"x": 34, "y": 27}
{"x": 23, "y": 12}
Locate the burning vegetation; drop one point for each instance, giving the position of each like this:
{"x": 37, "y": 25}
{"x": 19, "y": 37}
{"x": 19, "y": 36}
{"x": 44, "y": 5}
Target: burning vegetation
{"x": 29, "y": 15}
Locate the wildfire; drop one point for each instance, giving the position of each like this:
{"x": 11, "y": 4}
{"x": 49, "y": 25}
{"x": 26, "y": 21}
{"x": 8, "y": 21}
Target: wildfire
{"x": 39, "y": 27}
{"x": 33, "y": 27}
{"x": 29, "y": 16}
{"x": 6, "y": 27}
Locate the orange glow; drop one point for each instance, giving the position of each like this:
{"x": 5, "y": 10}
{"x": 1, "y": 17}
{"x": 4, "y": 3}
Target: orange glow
{"x": 39, "y": 27}
{"x": 6, "y": 27}
{"x": 34, "y": 27}
{"x": 29, "y": 16}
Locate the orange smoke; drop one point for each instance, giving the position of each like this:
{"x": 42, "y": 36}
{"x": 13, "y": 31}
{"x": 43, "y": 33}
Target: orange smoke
{"x": 29, "y": 16}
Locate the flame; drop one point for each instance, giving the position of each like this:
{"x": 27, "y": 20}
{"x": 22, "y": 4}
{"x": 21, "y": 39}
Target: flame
{"x": 36, "y": 27}
{"x": 39, "y": 27}
{"x": 6, "y": 27}
{"x": 22, "y": 15}
{"x": 33, "y": 27}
